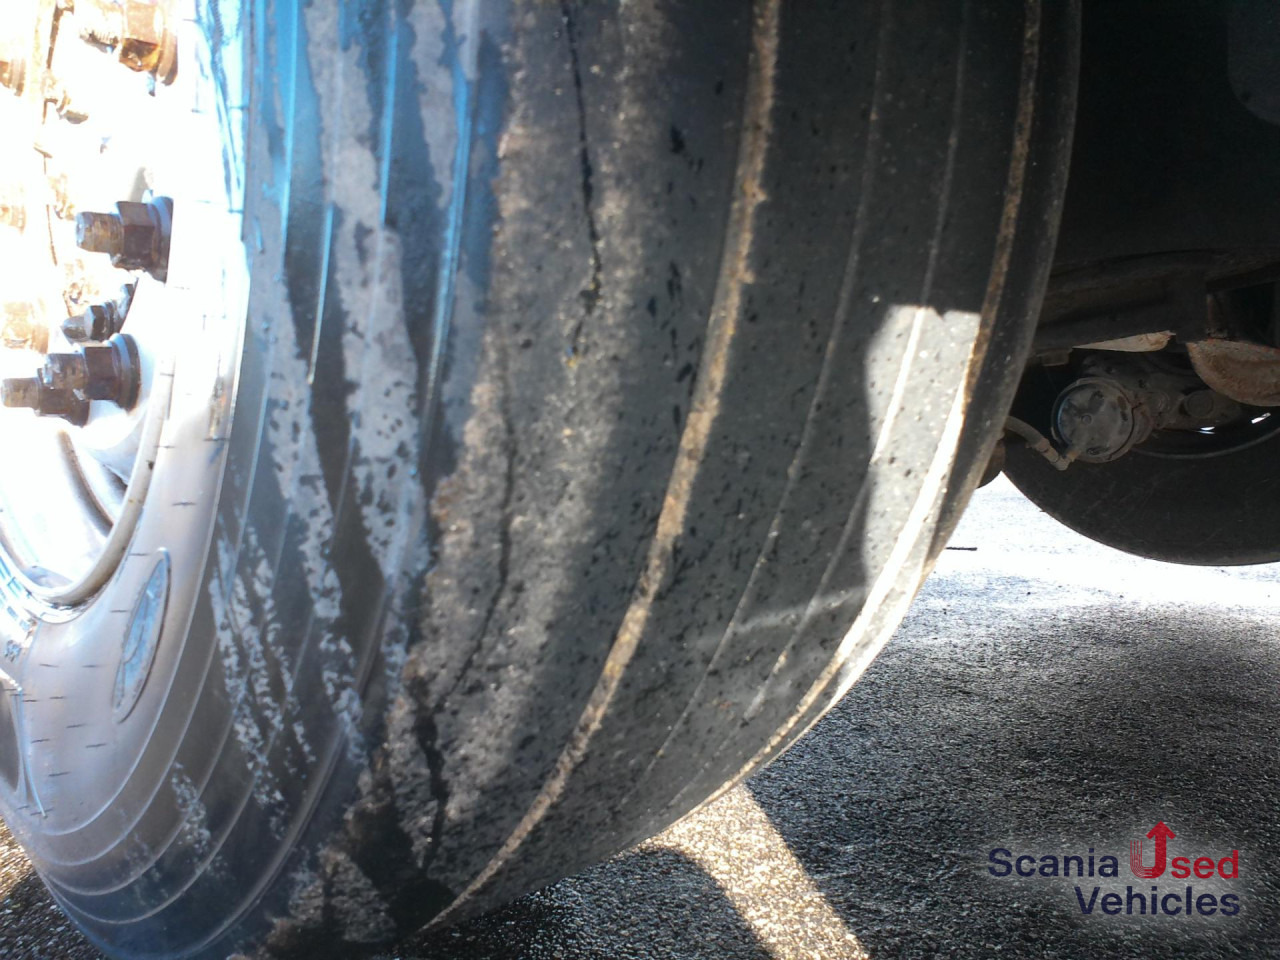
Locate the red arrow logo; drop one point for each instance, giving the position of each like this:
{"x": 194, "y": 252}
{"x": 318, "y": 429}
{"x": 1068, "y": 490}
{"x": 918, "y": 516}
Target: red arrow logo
{"x": 1161, "y": 834}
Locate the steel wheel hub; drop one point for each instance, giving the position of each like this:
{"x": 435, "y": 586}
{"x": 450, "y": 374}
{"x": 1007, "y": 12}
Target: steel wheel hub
{"x": 123, "y": 291}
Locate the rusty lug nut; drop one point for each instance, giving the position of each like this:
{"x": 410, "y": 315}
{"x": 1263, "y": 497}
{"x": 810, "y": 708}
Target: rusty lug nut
{"x": 135, "y": 236}
{"x": 34, "y": 395}
{"x": 98, "y": 323}
{"x": 137, "y": 30}
{"x": 115, "y": 371}
{"x": 148, "y": 45}
{"x": 108, "y": 371}
{"x": 13, "y": 73}
{"x": 65, "y": 371}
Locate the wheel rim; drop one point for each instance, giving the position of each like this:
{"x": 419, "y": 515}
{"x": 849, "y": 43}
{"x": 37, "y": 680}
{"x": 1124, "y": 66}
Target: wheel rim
{"x": 106, "y": 515}
{"x": 86, "y": 132}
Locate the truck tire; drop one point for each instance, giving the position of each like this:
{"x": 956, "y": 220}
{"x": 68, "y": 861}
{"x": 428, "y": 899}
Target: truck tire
{"x": 611, "y": 376}
{"x": 1212, "y": 507}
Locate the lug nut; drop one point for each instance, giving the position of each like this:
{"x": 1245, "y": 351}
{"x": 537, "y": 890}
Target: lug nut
{"x": 98, "y": 323}
{"x": 65, "y": 371}
{"x": 105, "y": 371}
{"x": 135, "y": 235}
{"x": 136, "y": 29}
{"x": 101, "y": 320}
{"x": 68, "y": 382}
{"x": 114, "y": 371}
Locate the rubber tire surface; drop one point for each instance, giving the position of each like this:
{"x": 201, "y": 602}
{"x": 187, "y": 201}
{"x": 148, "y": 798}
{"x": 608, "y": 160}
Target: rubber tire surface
{"x": 604, "y": 367}
{"x": 1218, "y": 511}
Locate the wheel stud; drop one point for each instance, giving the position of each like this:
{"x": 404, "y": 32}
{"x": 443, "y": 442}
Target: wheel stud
{"x": 34, "y": 395}
{"x": 101, "y": 21}
{"x": 135, "y": 235}
{"x": 100, "y": 233}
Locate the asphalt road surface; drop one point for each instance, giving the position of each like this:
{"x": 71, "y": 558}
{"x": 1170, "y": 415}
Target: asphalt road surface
{"x": 1045, "y": 696}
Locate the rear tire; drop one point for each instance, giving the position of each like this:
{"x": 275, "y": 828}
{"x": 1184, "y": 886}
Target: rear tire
{"x": 602, "y": 406}
{"x": 1212, "y": 511}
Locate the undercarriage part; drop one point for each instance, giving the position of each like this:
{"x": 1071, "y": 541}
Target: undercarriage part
{"x": 1136, "y": 303}
{"x": 1166, "y": 157}
{"x": 1171, "y": 232}
{"x": 1036, "y": 441}
{"x": 1248, "y": 373}
{"x": 1121, "y": 399}
{"x": 1254, "y": 56}
{"x": 1099, "y": 420}
{"x": 1138, "y": 343}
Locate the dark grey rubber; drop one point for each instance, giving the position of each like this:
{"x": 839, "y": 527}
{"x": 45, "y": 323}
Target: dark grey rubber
{"x": 1215, "y": 511}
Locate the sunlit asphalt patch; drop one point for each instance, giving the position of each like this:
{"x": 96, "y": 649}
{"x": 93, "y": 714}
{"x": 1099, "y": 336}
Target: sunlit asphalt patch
{"x": 741, "y": 850}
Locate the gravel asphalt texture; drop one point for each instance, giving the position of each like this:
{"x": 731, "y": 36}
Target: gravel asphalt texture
{"x": 1045, "y": 695}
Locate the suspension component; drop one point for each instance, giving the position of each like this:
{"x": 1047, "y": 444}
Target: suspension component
{"x": 1100, "y": 420}
{"x": 1246, "y": 372}
{"x": 1121, "y": 399}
